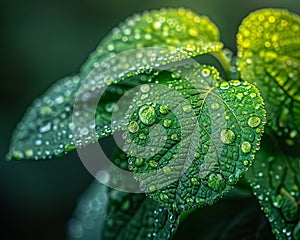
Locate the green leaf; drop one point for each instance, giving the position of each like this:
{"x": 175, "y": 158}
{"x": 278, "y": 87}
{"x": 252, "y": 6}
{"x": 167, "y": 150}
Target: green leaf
{"x": 180, "y": 30}
{"x": 190, "y": 139}
{"x": 134, "y": 216}
{"x": 275, "y": 178}
{"x": 88, "y": 218}
{"x": 68, "y": 114}
{"x": 269, "y": 56}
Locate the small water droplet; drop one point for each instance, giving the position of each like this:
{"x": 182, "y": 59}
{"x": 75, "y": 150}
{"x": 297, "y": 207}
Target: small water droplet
{"x": 215, "y": 106}
{"x": 166, "y": 170}
{"x": 151, "y": 188}
{"x": 139, "y": 161}
{"x": 189, "y": 201}
{"x": 215, "y": 182}
{"x": 164, "y": 197}
{"x": 205, "y": 72}
{"x": 147, "y": 115}
{"x": 254, "y": 121}
{"x": 187, "y": 108}
{"x": 142, "y": 136}
{"x": 246, "y": 147}
{"x": 195, "y": 181}
{"x": 227, "y": 136}
{"x": 145, "y": 88}
{"x": 245, "y": 163}
{"x": 153, "y": 163}
{"x": 133, "y": 127}
{"x": 46, "y": 127}
{"x": 163, "y": 109}
{"x": 224, "y": 85}
{"x": 167, "y": 123}
{"x": 45, "y": 110}
{"x": 174, "y": 137}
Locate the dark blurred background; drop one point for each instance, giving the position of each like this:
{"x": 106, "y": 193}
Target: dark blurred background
{"x": 42, "y": 41}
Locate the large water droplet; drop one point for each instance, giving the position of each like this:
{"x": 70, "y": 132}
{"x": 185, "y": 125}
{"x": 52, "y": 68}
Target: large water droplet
{"x": 215, "y": 182}
{"x": 224, "y": 85}
{"x": 254, "y": 121}
{"x": 227, "y": 136}
{"x": 246, "y": 147}
{"x": 133, "y": 127}
{"x": 187, "y": 108}
{"x": 167, "y": 123}
{"x": 139, "y": 161}
{"x": 147, "y": 115}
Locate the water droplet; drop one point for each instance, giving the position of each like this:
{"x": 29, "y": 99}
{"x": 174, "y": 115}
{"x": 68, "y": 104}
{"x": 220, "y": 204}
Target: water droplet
{"x": 205, "y": 72}
{"x": 151, "y": 188}
{"x": 45, "y": 110}
{"x": 133, "y": 127}
{"x": 215, "y": 106}
{"x": 246, "y": 163}
{"x": 166, "y": 170}
{"x": 163, "y": 109}
{"x": 195, "y": 181}
{"x": 164, "y": 197}
{"x": 254, "y": 121}
{"x": 167, "y": 123}
{"x": 246, "y": 147}
{"x": 235, "y": 83}
{"x": 215, "y": 182}
{"x": 142, "y": 136}
{"x": 38, "y": 142}
{"x": 28, "y": 153}
{"x": 293, "y": 133}
{"x": 227, "y": 136}
{"x": 187, "y": 108}
{"x": 277, "y": 201}
{"x": 145, "y": 88}
{"x": 153, "y": 163}
{"x": 147, "y": 115}
{"x": 197, "y": 155}
{"x": 189, "y": 201}
{"x": 224, "y": 85}
{"x": 240, "y": 96}
{"x": 139, "y": 161}
{"x": 84, "y": 131}
{"x": 174, "y": 137}
{"x": 46, "y": 127}
{"x": 175, "y": 75}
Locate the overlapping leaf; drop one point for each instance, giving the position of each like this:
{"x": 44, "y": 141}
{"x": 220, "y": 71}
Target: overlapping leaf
{"x": 191, "y": 139}
{"x": 275, "y": 179}
{"x": 269, "y": 56}
{"x": 136, "y": 47}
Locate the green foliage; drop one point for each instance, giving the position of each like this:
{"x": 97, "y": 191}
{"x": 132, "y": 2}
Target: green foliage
{"x": 189, "y": 135}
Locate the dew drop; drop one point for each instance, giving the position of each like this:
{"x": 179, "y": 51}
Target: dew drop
{"x": 29, "y": 153}
{"x": 46, "y": 128}
{"x": 254, "y": 121}
{"x": 147, "y": 115}
{"x": 224, "y": 85}
{"x": 139, "y": 161}
{"x": 167, "y": 123}
{"x": 151, "y": 188}
{"x": 227, "y": 136}
{"x": 246, "y": 147}
{"x": 195, "y": 181}
{"x": 45, "y": 110}
{"x": 187, "y": 108}
{"x": 164, "y": 197}
{"x": 166, "y": 170}
{"x": 205, "y": 72}
{"x": 174, "y": 137}
{"x": 153, "y": 163}
{"x": 277, "y": 201}
{"x": 215, "y": 181}
{"x": 163, "y": 109}
{"x": 215, "y": 106}
{"x": 145, "y": 88}
{"x": 133, "y": 127}
{"x": 189, "y": 201}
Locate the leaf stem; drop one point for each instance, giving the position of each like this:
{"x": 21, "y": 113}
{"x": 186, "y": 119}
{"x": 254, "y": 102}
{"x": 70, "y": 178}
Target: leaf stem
{"x": 225, "y": 63}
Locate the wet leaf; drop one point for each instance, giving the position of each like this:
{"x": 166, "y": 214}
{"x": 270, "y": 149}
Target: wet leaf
{"x": 68, "y": 115}
{"x": 134, "y": 216}
{"x": 88, "y": 217}
{"x": 275, "y": 178}
{"x": 193, "y": 136}
{"x": 269, "y": 56}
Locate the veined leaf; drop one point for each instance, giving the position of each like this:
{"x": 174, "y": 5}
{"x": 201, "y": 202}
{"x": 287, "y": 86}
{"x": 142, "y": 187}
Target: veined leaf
{"x": 52, "y": 127}
{"x": 191, "y": 139}
{"x": 275, "y": 178}
{"x": 269, "y": 56}
{"x": 105, "y": 213}
{"x": 172, "y": 29}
